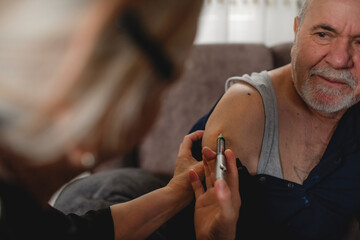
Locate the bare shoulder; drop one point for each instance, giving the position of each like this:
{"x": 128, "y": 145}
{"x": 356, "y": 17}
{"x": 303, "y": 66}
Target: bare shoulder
{"x": 239, "y": 116}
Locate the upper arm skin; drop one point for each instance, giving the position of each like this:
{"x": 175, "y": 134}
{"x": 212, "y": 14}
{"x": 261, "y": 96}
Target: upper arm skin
{"x": 239, "y": 116}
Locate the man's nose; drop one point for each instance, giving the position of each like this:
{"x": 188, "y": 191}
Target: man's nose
{"x": 340, "y": 55}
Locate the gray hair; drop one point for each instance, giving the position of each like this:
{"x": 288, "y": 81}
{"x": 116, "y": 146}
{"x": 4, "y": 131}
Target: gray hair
{"x": 67, "y": 74}
{"x": 303, "y": 10}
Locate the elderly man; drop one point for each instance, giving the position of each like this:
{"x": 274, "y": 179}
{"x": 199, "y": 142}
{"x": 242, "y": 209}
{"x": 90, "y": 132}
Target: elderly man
{"x": 295, "y": 131}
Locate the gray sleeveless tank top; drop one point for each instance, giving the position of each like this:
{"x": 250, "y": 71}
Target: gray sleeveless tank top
{"x": 269, "y": 162}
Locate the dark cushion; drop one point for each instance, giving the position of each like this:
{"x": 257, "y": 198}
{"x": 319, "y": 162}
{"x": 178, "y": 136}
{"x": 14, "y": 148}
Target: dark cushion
{"x": 105, "y": 188}
{"x": 281, "y": 54}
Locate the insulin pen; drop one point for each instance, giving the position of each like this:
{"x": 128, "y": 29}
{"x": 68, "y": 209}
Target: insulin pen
{"x": 220, "y": 158}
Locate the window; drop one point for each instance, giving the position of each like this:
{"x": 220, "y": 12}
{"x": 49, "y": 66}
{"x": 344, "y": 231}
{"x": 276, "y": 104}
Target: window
{"x": 247, "y": 21}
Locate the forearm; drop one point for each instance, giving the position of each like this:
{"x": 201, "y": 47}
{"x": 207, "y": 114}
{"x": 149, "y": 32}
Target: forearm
{"x": 138, "y": 218}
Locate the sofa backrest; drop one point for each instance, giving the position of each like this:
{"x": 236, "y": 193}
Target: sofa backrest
{"x": 199, "y": 88}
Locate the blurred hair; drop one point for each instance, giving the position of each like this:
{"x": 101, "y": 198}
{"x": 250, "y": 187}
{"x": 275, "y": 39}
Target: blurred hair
{"x": 303, "y": 11}
{"x": 69, "y": 73}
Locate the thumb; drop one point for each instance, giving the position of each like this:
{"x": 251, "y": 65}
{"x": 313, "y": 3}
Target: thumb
{"x": 223, "y": 195}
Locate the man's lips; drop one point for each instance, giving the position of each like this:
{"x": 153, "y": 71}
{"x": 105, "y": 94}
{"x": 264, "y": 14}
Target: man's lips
{"x": 331, "y": 81}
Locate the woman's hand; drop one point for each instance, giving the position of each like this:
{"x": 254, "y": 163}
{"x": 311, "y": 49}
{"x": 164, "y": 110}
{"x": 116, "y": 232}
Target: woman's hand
{"x": 180, "y": 183}
{"x": 153, "y": 209}
{"x": 217, "y": 208}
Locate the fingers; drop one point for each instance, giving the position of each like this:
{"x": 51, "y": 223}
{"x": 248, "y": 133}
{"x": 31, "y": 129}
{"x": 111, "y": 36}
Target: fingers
{"x": 199, "y": 169}
{"x": 223, "y": 195}
{"x": 185, "y": 147}
{"x": 208, "y": 154}
{"x": 196, "y": 184}
{"x": 208, "y": 179}
{"x": 232, "y": 172}
{"x": 209, "y": 165}
{"x": 185, "y": 159}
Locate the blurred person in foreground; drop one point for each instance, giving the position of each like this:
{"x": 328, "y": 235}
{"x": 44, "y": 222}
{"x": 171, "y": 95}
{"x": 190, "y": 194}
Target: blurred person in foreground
{"x": 81, "y": 82}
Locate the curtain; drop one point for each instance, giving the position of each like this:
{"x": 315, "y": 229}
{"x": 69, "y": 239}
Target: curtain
{"x": 247, "y": 21}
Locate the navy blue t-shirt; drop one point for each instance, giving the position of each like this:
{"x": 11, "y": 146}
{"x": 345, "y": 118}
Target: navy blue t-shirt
{"x": 321, "y": 208}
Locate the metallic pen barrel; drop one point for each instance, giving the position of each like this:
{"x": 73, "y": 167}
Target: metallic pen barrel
{"x": 220, "y": 158}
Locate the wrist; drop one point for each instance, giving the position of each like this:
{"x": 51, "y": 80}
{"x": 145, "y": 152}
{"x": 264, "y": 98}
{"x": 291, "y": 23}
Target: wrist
{"x": 183, "y": 193}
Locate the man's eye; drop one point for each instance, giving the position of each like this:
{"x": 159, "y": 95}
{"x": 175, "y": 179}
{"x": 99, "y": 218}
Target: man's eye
{"x": 322, "y": 38}
{"x": 322, "y": 34}
{"x": 357, "y": 45}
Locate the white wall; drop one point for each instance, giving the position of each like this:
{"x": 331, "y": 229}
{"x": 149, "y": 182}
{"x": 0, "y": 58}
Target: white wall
{"x": 247, "y": 21}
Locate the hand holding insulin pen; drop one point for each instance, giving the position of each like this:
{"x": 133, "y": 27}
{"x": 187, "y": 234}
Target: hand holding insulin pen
{"x": 220, "y": 158}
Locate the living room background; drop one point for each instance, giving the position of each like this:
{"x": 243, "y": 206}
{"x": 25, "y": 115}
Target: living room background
{"x": 247, "y": 21}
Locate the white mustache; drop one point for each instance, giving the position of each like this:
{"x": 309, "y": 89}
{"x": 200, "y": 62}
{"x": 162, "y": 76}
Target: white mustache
{"x": 342, "y": 75}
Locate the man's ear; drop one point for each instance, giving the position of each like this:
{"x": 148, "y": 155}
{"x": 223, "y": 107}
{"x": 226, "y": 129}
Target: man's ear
{"x": 296, "y": 25}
